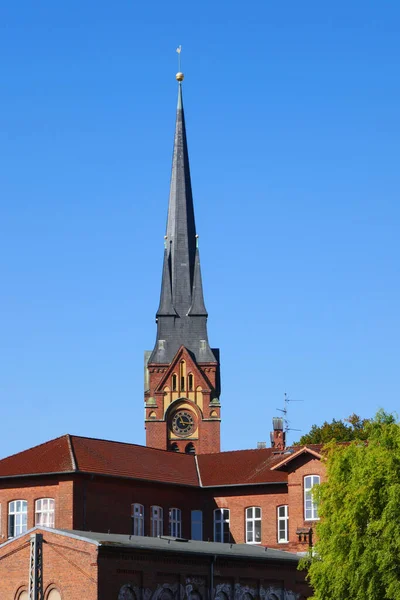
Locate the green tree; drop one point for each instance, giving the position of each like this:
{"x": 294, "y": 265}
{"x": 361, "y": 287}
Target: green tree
{"x": 352, "y": 428}
{"x": 357, "y": 553}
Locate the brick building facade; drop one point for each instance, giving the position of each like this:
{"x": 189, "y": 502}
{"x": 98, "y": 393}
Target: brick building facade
{"x": 246, "y": 496}
{"x": 76, "y": 565}
{"x": 179, "y": 485}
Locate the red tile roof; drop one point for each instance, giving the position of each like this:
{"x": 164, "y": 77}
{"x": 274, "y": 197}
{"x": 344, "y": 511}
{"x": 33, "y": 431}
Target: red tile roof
{"x": 51, "y": 457}
{"x": 70, "y": 453}
{"x": 133, "y": 461}
{"x": 240, "y": 467}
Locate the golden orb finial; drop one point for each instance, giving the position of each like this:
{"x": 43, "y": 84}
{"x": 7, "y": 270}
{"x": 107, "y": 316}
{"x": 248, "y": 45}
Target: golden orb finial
{"x": 179, "y": 76}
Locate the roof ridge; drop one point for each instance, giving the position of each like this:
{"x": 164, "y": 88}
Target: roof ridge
{"x": 196, "y": 462}
{"x": 84, "y": 437}
{"x": 239, "y": 450}
{"x": 65, "y": 435}
{"x": 72, "y": 453}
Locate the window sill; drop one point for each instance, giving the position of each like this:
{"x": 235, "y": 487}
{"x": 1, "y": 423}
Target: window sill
{"x": 253, "y": 543}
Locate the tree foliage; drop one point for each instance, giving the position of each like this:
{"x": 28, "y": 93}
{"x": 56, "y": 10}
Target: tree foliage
{"x": 357, "y": 553}
{"x": 352, "y": 428}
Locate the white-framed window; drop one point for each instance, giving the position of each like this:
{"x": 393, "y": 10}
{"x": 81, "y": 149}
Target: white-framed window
{"x": 137, "y": 519}
{"x": 157, "y": 521}
{"x": 44, "y": 512}
{"x": 310, "y": 506}
{"x": 175, "y": 522}
{"x": 197, "y": 525}
{"x": 221, "y": 525}
{"x": 253, "y": 525}
{"x": 17, "y": 517}
{"x": 283, "y": 523}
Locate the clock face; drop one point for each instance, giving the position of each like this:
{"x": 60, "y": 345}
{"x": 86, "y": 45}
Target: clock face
{"x": 183, "y": 423}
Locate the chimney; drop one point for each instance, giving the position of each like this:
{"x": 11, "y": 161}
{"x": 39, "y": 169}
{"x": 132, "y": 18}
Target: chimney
{"x": 278, "y": 435}
{"x": 261, "y": 445}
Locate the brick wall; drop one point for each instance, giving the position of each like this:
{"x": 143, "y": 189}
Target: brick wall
{"x": 301, "y": 467}
{"x": 80, "y": 569}
{"x": 33, "y": 488}
{"x": 265, "y": 497}
{"x": 149, "y": 574}
{"x": 104, "y": 504}
{"x": 207, "y": 436}
{"x": 96, "y": 503}
{"x": 70, "y": 565}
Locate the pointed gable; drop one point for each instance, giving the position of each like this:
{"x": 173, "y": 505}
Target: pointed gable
{"x": 292, "y": 456}
{"x": 182, "y": 354}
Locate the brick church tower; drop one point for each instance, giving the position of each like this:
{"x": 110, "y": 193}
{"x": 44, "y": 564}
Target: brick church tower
{"x": 182, "y": 382}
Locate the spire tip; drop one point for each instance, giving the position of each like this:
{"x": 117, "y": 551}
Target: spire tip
{"x": 179, "y": 76}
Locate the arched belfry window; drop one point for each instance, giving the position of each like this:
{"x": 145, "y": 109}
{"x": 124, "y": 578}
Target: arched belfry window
{"x": 190, "y": 382}
{"x": 174, "y": 447}
{"x": 174, "y": 382}
{"x": 190, "y": 449}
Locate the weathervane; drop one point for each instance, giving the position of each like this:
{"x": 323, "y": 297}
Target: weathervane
{"x": 179, "y": 75}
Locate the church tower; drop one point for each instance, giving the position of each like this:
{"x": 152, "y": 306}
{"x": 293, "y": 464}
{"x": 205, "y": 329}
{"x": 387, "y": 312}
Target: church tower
{"x": 182, "y": 379}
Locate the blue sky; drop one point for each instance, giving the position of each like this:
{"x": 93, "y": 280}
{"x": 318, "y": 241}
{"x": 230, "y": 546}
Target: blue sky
{"x": 294, "y": 137}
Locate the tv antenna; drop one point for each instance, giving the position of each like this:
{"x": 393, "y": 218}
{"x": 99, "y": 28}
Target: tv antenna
{"x": 285, "y": 409}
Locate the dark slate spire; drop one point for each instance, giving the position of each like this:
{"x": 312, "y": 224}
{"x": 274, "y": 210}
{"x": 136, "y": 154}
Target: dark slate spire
{"x": 182, "y": 315}
{"x": 197, "y": 307}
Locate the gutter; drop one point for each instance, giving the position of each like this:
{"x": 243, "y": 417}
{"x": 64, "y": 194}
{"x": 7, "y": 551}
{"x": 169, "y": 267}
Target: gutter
{"x": 227, "y": 485}
{"x": 186, "y": 485}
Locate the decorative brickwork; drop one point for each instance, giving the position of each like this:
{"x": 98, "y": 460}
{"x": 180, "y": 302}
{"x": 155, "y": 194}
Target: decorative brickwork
{"x": 183, "y": 384}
